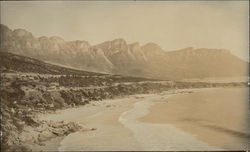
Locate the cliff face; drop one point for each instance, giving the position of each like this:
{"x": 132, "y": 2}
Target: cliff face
{"x": 118, "y": 57}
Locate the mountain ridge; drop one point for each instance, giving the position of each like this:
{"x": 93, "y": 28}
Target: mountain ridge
{"x": 119, "y": 57}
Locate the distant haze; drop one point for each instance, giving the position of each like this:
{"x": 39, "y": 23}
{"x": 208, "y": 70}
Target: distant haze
{"x": 171, "y": 24}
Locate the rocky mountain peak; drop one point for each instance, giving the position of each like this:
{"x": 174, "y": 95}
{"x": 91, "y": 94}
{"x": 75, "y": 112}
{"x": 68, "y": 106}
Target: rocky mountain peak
{"x": 199, "y": 51}
{"x": 80, "y": 44}
{"x": 22, "y": 33}
{"x": 213, "y": 51}
{"x": 151, "y": 46}
{"x": 119, "y": 41}
{"x": 135, "y": 45}
{"x": 56, "y": 39}
{"x": 43, "y": 38}
{"x": 5, "y": 31}
{"x": 152, "y": 49}
{"x": 4, "y": 28}
{"x": 119, "y": 44}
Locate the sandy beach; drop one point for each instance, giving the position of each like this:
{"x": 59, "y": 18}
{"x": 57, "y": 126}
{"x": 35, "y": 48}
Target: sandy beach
{"x": 219, "y": 117}
{"x": 165, "y": 121}
{"x": 102, "y": 116}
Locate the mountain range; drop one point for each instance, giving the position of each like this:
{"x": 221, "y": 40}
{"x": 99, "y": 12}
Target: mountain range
{"x": 119, "y": 57}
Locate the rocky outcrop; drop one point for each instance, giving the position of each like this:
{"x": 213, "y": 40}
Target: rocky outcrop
{"x": 32, "y": 136}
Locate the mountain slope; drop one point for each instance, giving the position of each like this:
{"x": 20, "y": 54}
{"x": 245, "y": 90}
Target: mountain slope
{"x": 199, "y": 63}
{"x": 118, "y": 57}
{"x": 16, "y": 63}
{"x": 10, "y": 62}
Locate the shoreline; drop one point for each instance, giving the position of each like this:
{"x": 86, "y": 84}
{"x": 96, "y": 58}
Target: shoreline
{"x": 94, "y": 115}
{"x": 88, "y": 116}
{"x": 169, "y": 137}
{"x": 123, "y": 122}
{"x": 26, "y": 96}
{"x": 211, "y": 130}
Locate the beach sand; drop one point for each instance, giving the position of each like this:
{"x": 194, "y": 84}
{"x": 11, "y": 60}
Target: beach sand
{"x": 219, "y": 117}
{"x": 102, "y": 116}
{"x": 165, "y": 121}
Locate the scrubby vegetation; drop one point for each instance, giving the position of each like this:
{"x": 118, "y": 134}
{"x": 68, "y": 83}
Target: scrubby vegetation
{"x": 29, "y": 87}
{"x": 25, "y": 95}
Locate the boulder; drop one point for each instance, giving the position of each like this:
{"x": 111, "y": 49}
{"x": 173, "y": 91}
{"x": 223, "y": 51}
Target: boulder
{"x": 45, "y": 135}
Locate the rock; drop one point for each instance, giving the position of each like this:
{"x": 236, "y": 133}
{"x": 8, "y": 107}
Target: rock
{"x": 73, "y": 127}
{"x": 93, "y": 129}
{"x": 56, "y": 124}
{"x": 13, "y": 110}
{"x": 51, "y": 105}
{"x": 21, "y": 123}
{"x": 41, "y": 128}
{"x": 45, "y": 135}
{"x": 108, "y": 106}
{"x": 58, "y": 132}
{"x": 30, "y": 136}
{"x": 41, "y": 144}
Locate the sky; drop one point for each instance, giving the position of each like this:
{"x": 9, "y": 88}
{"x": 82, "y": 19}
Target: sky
{"x": 171, "y": 24}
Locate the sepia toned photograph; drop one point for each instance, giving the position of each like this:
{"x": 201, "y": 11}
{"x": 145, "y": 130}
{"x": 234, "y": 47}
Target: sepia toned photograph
{"x": 124, "y": 76}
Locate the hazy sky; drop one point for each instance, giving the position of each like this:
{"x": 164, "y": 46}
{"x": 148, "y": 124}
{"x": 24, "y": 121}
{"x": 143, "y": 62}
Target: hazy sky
{"x": 171, "y": 24}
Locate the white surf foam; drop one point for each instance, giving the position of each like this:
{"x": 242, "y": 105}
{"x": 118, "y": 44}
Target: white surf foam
{"x": 159, "y": 136}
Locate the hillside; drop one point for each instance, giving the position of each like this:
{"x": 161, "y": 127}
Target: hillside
{"x": 10, "y": 62}
{"x": 119, "y": 57}
{"x": 30, "y": 86}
